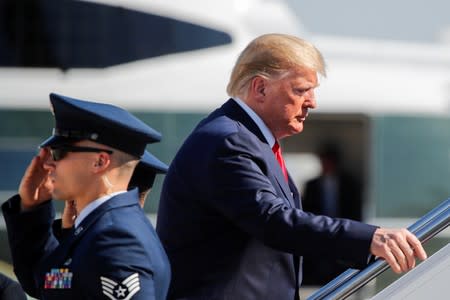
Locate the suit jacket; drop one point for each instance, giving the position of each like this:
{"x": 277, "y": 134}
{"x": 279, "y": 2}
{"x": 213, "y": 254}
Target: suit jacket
{"x": 231, "y": 224}
{"x": 112, "y": 254}
{"x": 349, "y": 197}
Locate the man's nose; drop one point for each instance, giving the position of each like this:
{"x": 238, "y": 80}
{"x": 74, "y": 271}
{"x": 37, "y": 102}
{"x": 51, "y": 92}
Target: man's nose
{"x": 311, "y": 98}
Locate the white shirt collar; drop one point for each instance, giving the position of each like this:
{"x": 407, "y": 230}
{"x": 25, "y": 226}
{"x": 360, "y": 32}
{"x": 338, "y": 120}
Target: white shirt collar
{"x": 92, "y": 206}
{"x": 259, "y": 122}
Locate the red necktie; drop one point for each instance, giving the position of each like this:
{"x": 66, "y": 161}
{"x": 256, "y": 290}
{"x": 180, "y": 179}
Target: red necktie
{"x": 277, "y": 151}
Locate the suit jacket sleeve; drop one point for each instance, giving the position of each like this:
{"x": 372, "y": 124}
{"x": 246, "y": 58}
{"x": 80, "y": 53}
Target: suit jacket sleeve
{"x": 241, "y": 186}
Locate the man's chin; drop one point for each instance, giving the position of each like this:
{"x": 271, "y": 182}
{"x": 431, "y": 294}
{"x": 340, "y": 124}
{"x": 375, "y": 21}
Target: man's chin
{"x": 297, "y": 129}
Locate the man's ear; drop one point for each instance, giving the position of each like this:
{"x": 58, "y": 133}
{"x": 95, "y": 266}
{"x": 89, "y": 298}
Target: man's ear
{"x": 258, "y": 87}
{"x": 102, "y": 162}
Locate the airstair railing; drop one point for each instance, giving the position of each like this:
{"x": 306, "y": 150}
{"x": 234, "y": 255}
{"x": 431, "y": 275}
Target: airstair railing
{"x": 351, "y": 280}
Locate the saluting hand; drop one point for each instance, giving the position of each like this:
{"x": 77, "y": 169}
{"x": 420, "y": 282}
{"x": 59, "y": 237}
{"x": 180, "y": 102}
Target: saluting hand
{"x": 398, "y": 247}
{"x": 36, "y": 186}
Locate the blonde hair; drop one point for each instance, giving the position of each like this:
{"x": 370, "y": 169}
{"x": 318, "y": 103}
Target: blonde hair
{"x": 272, "y": 55}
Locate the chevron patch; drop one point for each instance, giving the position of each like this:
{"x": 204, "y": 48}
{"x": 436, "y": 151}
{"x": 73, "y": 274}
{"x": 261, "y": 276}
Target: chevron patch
{"x": 121, "y": 290}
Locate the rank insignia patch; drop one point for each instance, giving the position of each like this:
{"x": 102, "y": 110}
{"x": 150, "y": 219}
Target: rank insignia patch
{"x": 121, "y": 290}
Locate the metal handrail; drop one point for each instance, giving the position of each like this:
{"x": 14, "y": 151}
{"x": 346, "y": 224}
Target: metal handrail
{"x": 351, "y": 280}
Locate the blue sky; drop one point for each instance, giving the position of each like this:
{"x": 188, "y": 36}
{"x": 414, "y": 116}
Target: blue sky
{"x": 409, "y": 20}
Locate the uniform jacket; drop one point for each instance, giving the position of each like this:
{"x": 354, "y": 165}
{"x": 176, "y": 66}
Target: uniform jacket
{"x": 113, "y": 254}
{"x": 232, "y": 226}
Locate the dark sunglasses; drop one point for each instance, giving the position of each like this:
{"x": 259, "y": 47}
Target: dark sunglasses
{"x": 60, "y": 152}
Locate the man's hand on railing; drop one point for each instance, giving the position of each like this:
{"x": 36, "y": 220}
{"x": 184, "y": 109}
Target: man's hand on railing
{"x": 398, "y": 247}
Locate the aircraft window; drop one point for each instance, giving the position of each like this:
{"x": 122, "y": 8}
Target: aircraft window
{"x": 74, "y": 34}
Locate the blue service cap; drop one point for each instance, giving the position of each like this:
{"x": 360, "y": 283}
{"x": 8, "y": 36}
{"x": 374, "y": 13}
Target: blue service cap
{"x": 150, "y": 162}
{"x": 146, "y": 170}
{"x": 105, "y": 124}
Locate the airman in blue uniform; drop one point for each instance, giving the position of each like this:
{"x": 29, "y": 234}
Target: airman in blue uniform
{"x": 113, "y": 251}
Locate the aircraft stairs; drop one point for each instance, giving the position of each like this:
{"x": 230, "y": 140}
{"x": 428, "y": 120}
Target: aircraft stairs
{"x": 429, "y": 280}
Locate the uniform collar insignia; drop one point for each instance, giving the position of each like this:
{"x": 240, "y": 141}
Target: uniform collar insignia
{"x": 68, "y": 262}
{"x": 121, "y": 290}
{"x": 78, "y": 230}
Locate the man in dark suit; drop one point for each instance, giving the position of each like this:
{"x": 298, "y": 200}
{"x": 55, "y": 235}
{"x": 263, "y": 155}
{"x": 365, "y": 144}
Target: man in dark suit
{"x": 334, "y": 193}
{"x": 113, "y": 251}
{"x": 230, "y": 217}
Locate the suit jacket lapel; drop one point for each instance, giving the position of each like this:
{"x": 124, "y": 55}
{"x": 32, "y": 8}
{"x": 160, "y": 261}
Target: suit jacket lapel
{"x": 279, "y": 176}
{"x": 295, "y": 193}
{"x": 234, "y": 111}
